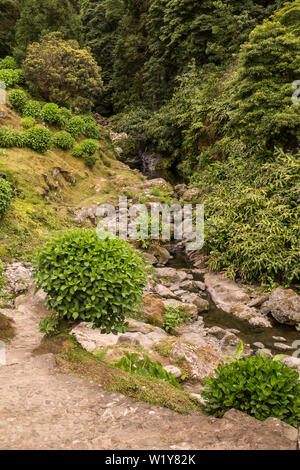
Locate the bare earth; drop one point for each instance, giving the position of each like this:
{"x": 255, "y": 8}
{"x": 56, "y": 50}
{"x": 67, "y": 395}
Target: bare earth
{"x": 40, "y": 408}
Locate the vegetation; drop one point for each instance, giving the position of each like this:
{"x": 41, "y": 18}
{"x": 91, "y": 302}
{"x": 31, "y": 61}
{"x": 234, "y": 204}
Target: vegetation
{"x": 5, "y": 195}
{"x": 99, "y": 281}
{"x": 38, "y": 138}
{"x": 259, "y": 386}
{"x": 174, "y": 317}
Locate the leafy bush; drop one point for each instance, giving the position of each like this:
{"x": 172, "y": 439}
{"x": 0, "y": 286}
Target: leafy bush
{"x": 5, "y": 195}
{"x": 8, "y": 63}
{"x": 89, "y": 160}
{"x": 51, "y": 114}
{"x": 75, "y": 126}
{"x": 32, "y": 109}
{"x": 11, "y": 77}
{"x": 38, "y": 138}
{"x": 65, "y": 116}
{"x": 91, "y": 130}
{"x": 89, "y": 279}
{"x": 259, "y": 386}
{"x": 89, "y": 146}
{"x": 135, "y": 365}
{"x": 174, "y": 317}
{"x": 28, "y": 122}
{"x": 18, "y": 99}
{"x": 63, "y": 140}
{"x": 11, "y": 138}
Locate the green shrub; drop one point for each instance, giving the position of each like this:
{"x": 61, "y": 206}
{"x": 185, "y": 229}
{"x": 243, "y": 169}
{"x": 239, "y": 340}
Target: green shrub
{"x": 259, "y": 386}
{"x": 85, "y": 278}
{"x": 11, "y": 138}
{"x": 52, "y": 114}
{"x": 77, "y": 152}
{"x": 89, "y": 146}
{"x": 8, "y": 63}
{"x": 133, "y": 364}
{"x": 174, "y": 317}
{"x": 89, "y": 160}
{"x": 38, "y": 138}
{"x": 75, "y": 126}
{"x": 28, "y": 122}
{"x": 91, "y": 130}
{"x": 65, "y": 116}
{"x": 32, "y": 109}
{"x": 18, "y": 99}
{"x": 5, "y": 195}
{"x": 63, "y": 140}
{"x": 11, "y": 77}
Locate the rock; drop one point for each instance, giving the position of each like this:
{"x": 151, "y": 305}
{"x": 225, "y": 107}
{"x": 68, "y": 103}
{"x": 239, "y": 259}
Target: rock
{"x": 128, "y": 339}
{"x": 281, "y": 339}
{"x": 285, "y": 306}
{"x": 154, "y": 310}
{"x": 174, "y": 370}
{"x": 6, "y": 328}
{"x": 258, "y": 301}
{"x": 190, "y": 309}
{"x": 283, "y": 347}
{"x": 250, "y": 315}
{"x": 218, "y": 332}
{"x": 171, "y": 275}
{"x": 224, "y": 292}
{"x": 159, "y": 183}
{"x": 191, "y": 194}
{"x": 265, "y": 351}
{"x": 196, "y": 333}
{"x": 163, "y": 291}
{"x": 19, "y": 278}
{"x": 199, "y": 285}
{"x": 201, "y": 362}
{"x": 180, "y": 189}
{"x": 161, "y": 254}
{"x": 201, "y": 304}
{"x": 138, "y": 333}
{"x": 86, "y": 214}
{"x": 259, "y": 345}
{"x": 149, "y": 257}
{"x": 292, "y": 362}
{"x": 3, "y": 114}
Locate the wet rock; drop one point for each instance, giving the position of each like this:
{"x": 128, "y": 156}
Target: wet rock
{"x": 264, "y": 351}
{"x": 250, "y": 315}
{"x": 171, "y": 275}
{"x": 259, "y": 345}
{"x": 201, "y": 304}
{"x": 285, "y": 306}
{"x": 279, "y": 339}
{"x": 258, "y": 301}
{"x": 283, "y": 347}
{"x": 199, "y": 285}
{"x": 224, "y": 292}
{"x": 154, "y": 310}
{"x": 174, "y": 370}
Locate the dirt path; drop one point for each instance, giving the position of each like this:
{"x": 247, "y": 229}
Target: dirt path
{"x": 40, "y": 408}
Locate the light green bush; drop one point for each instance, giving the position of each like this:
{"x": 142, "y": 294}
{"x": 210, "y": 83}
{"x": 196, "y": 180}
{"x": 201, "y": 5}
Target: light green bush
{"x": 38, "y": 138}
{"x": 63, "y": 140}
{"x": 32, "y": 109}
{"x": 10, "y": 137}
{"x": 18, "y": 99}
{"x": 28, "y": 122}
{"x": 5, "y": 195}
{"x": 75, "y": 126}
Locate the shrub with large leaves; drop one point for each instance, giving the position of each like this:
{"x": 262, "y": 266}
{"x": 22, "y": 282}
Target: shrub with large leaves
{"x": 89, "y": 279}
{"x": 5, "y": 195}
{"x": 259, "y": 386}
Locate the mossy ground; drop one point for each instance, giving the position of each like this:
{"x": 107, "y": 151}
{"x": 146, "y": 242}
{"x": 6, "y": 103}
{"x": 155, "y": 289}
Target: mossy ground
{"x": 72, "y": 359}
{"x": 45, "y": 204}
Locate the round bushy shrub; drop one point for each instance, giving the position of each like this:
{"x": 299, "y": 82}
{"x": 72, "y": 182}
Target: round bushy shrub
{"x": 11, "y": 138}
{"x": 5, "y": 195}
{"x": 8, "y": 63}
{"x": 65, "y": 116}
{"x": 89, "y": 146}
{"x": 51, "y": 114}
{"x": 38, "y": 138}
{"x": 91, "y": 130}
{"x": 11, "y": 77}
{"x": 77, "y": 152}
{"x": 89, "y": 160}
{"x": 32, "y": 109}
{"x": 18, "y": 99}
{"x": 91, "y": 279}
{"x": 259, "y": 386}
{"x": 63, "y": 140}
{"x": 75, "y": 126}
{"x": 28, "y": 122}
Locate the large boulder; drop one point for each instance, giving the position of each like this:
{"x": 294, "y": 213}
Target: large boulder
{"x": 285, "y": 306}
{"x": 171, "y": 275}
{"x": 154, "y": 310}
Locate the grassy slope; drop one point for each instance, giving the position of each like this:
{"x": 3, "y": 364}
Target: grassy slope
{"x": 46, "y": 204}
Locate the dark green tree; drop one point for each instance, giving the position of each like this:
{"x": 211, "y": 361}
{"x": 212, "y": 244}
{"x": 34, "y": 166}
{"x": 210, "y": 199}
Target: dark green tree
{"x": 9, "y": 14}
{"x": 40, "y": 17}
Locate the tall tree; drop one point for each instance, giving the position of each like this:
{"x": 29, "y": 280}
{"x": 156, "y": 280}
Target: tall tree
{"x": 9, "y": 14}
{"x": 40, "y": 17}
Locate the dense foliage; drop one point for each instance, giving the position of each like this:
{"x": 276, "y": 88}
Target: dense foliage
{"x": 98, "y": 281}
{"x": 259, "y": 386}
{"x": 62, "y": 72}
{"x": 5, "y": 195}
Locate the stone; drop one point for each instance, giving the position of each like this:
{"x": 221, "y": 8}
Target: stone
{"x": 259, "y": 345}
{"x": 171, "y": 275}
{"x": 159, "y": 183}
{"x": 201, "y": 304}
{"x": 161, "y": 253}
{"x": 128, "y": 339}
{"x": 284, "y": 305}
{"x": 292, "y": 362}
{"x": 250, "y": 315}
{"x": 201, "y": 362}
{"x": 218, "y": 332}
{"x": 199, "y": 285}
{"x": 154, "y": 309}
{"x": 190, "y": 309}
{"x": 180, "y": 189}
{"x": 191, "y": 194}
{"x": 224, "y": 292}
{"x": 281, "y": 339}
{"x": 265, "y": 351}
{"x": 174, "y": 370}
{"x": 19, "y": 278}
{"x": 163, "y": 291}
{"x": 258, "y": 301}
{"x": 283, "y": 347}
